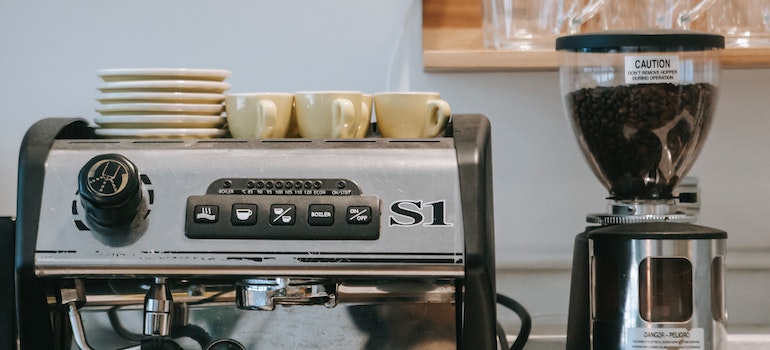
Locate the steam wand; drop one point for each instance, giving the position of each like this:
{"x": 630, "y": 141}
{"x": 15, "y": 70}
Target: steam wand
{"x": 73, "y": 298}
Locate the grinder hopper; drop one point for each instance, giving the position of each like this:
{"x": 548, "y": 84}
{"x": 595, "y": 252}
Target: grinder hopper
{"x": 640, "y": 104}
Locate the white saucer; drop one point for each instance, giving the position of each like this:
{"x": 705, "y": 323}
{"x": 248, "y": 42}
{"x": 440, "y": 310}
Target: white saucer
{"x": 164, "y": 86}
{"x": 159, "y": 121}
{"x": 160, "y": 108}
{"x": 122, "y": 74}
{"x": 167, "y": 97}
{"x": 200, "y": 133}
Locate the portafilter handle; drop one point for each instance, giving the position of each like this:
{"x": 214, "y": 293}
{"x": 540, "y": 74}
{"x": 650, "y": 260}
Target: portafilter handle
{"x": 157, "y": 309}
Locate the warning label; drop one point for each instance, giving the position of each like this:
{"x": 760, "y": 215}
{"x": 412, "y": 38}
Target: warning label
{"x": 652, "y": 69}
{"x": 665, "y": 338}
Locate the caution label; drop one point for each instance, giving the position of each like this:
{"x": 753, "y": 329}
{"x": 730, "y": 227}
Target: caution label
{"x": 652, "y": 69}
{"x": 665, "y": 338}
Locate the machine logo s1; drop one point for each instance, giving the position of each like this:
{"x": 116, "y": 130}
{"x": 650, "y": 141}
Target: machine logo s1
{"x": 407, "y": 213}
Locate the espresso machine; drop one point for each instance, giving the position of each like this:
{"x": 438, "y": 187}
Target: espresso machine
{"x": 644, "y": 275}
{"x": 215, "y": 244}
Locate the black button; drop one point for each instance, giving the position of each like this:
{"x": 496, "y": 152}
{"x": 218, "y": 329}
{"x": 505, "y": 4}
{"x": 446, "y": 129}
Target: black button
{"x": 358, "y": 215}
{"x": 244, "y": 214}
{"x": 283, "y": 214}
{"x": 320, "y": 215}
{"x": 206, "y": 213}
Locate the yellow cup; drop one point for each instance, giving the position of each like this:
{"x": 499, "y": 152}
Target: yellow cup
{"x": 258, "y": 115}
{"x": 410, "y": 114}
{"x": 329, "y": 114}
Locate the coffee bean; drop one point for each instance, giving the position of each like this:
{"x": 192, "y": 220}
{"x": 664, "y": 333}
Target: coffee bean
{"x": 641, "y": 135}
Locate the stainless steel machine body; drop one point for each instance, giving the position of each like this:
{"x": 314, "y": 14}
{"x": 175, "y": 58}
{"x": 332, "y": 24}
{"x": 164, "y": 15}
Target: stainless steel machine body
{"x": 650, "y": 280}
{"x": 657, "y": 285}
{"x": 261, "y": 244}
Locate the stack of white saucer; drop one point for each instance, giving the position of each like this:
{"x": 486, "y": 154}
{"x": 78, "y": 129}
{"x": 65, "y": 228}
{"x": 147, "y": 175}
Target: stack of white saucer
{"x": 160, "y": 102}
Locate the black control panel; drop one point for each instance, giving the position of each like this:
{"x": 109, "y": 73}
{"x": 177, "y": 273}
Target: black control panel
{"x": 328, "y": 209}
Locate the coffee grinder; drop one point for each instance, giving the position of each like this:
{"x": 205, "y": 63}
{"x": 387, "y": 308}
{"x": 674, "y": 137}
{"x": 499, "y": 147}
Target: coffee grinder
{"x": 644, "y": 275}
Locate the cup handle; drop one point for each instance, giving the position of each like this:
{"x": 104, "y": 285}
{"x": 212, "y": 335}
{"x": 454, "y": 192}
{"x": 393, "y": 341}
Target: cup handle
{"x": 438, "y": 112}
{"x": 363, "y": 124}
{"x": 684, "y": 19}
{"x": 266, "y": 114}
{"x": 343, "y": 119}
{"x": 587, "y": 13}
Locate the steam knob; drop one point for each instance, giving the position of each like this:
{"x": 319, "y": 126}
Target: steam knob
{"x": 110, "y": 190}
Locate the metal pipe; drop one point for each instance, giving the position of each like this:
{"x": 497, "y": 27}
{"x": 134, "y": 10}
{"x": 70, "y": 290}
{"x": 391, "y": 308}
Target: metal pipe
{"x": 78, "y": 333}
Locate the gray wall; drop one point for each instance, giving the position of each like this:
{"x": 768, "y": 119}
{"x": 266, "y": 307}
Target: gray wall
{"x": 50, "y": 50}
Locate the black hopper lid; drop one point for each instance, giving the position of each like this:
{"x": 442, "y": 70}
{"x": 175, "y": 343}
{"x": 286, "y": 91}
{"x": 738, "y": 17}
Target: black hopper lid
{"x": 640, "y": 41}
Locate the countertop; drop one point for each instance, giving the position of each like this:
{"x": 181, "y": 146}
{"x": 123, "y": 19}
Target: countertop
{"x": 744, "y": 337}
{"x": 734, "y": 341}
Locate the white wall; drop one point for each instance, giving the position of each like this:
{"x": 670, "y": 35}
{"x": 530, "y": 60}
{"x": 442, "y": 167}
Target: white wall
{"x": 50, "y": 50}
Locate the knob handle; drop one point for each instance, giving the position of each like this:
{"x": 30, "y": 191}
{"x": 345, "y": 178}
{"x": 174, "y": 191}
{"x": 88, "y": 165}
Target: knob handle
{"x": 110, "y": 190}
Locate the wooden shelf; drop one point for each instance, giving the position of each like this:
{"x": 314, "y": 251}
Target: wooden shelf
{"x": 452, "y": 41}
